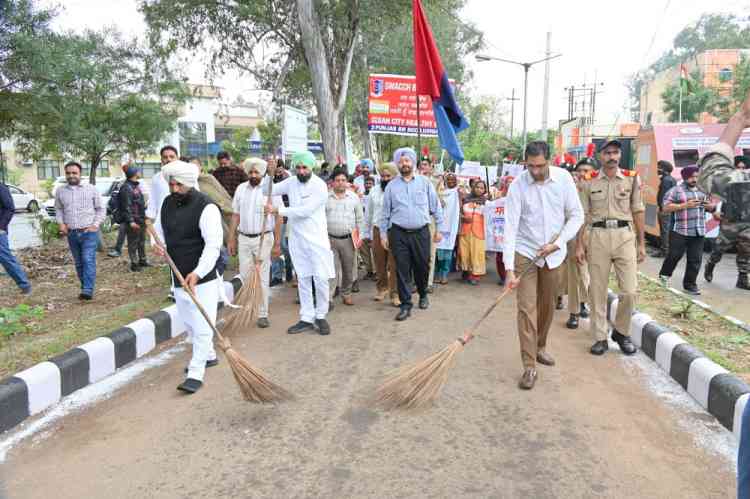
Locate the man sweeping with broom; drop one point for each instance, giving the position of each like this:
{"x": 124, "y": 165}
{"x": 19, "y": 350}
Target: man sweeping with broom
{"x": 541, "y": 203}
{"x": 308, "y": 241}
{"x": 190, "y": 225}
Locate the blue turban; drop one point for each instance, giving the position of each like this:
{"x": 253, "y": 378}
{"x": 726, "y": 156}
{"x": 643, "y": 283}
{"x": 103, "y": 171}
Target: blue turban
{"x": 130, "y": 171}
{"x": 368, "y": 163}
{"x": 404, "y": 151}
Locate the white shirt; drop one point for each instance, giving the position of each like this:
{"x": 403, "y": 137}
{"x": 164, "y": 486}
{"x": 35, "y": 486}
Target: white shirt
{"x": 248, "y": 203}
{"x": 308, "y": 228}
{"x": 213, "y": 237}
{"x": 374, "y": 208}
{"x": 157, "y": 195}
{"x": 536, "y": 211}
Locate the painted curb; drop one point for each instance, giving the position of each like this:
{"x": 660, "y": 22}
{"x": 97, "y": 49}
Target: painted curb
{"x": 719, "y": 392}
{"x": 39, "y": 387}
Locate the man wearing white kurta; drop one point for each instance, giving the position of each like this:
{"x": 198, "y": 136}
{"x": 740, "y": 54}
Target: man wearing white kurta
{"x": 308, "y": 241}
{"x": 189, "y": 224}
{"x": 247, "y": 221}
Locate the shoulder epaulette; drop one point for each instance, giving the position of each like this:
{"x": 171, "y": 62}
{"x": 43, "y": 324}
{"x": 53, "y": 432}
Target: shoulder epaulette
{"x": 630, "y": 173}
{"x": 591, "y": 175}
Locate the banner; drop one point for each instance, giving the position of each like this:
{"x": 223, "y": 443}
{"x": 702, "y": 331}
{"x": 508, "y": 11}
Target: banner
{"x": 494, "y": 225}
{"x": 294, "y": 135}
{"x": 392, "y": 107}
{"x": 512, "y": 170}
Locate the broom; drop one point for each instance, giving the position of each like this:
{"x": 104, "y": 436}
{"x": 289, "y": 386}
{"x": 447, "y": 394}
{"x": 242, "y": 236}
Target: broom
{"x": 250, "y": 296}
{"x": 417, "y": 385}
{"x": 254, "y": 385}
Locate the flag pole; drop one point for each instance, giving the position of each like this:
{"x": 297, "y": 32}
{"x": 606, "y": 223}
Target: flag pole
{"x": 679, "y": 118}
{"x": 419, "y": 126}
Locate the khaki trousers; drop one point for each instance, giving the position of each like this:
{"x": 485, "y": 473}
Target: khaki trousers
{"x": 608, "y": 248}
{"x": 385, "y": 266}
{"x": 248, "y": 250}
{"x": 343, "y": 257}
{"x": 536, "y": 296}
{"x": 578, "y": 280}
{"x": 365, "y": 253}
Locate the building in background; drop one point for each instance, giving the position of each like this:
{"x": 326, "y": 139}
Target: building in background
{"x": 717, "y": 69}
{"x": 206, "y": 120}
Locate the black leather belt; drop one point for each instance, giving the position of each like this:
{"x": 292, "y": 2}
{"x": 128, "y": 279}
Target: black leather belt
{"x": 611, "y": 224}
{"x": 410, "y": 231}
{"x": 253, "y": 235}
{"x": 340, "y": 237}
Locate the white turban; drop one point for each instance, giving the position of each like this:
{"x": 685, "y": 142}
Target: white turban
{"x": 256, "y": 164}
{"x": 182, "y": 173}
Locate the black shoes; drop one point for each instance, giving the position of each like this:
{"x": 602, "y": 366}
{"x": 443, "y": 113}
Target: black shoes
{"x": 275, "y": 282}
{"x": 708, "y": 272}
{"x": 403, "y": 314}
{"x": 134, "y": 267}
{"x": 190, "y": 386}
{"x": 322, "y": 326}
{"x": 691, "y": 290}
{"x": 300, "y": 327}
{"x": 144, "y": 264}
{"x": 355, "y": 287}
{"x": 572, "y": 322}
{"x": 209, "y": 363}
{"x": 424, "y": 302}
{"x": 743, "y": 282}
{"x": 85, "y": 296}
{"x": 599, "y": 348}
{"x": 584, "y": 314}
{"x": 626, "y": 345}
{"x": 559, "y": 304}
{"x": 113, "y": 253}
{"x": 263, "y": 322}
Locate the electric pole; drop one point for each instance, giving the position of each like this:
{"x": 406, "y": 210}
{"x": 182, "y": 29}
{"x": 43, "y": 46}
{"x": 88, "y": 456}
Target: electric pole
{"x": 545, "y": 102}
{"x": 512, "y": 100}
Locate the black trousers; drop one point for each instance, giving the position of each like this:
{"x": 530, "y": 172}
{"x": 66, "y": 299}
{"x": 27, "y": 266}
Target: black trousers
{"x": 137, "y": 244}
{"x": 411, "y": 250}
{"x": 678, "y": 246}
{"x": 122, "y": 231}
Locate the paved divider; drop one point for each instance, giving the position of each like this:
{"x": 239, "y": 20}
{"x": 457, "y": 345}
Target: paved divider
{"x": 718, "y": 391}
{"x": 39, "y": 387}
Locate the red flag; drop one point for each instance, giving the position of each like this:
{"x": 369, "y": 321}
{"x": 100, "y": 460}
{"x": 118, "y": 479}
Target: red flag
{"x": 429, "y": 67}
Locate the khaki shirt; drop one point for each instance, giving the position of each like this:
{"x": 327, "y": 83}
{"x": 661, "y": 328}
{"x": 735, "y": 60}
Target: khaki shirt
{"x": 615, "y": 199}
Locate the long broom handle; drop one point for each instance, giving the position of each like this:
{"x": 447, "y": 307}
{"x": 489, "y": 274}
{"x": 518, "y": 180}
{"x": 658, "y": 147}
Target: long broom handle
{"x": 263, "y": 222}
{"x": 177, "y": 273}
{"x": 470, "y": 334}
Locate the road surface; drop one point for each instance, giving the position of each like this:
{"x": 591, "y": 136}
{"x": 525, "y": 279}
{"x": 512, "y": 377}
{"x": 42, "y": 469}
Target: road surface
{"x": 720, "y": 293}
{"x": 592, "y": 427}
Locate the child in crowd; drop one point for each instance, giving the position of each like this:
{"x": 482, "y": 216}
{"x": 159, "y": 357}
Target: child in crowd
{"x": 471, "y": 241}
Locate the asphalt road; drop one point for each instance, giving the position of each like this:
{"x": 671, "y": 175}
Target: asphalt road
{"x": 592, "y": 427}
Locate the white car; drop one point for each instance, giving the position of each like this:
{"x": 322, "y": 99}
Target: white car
{"x": 104, "y": 185}
{"x": 23, "y": 200}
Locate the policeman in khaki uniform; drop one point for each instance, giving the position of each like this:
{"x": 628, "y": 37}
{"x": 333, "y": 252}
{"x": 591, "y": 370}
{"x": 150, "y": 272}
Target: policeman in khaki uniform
{"x": 614, "y": 210}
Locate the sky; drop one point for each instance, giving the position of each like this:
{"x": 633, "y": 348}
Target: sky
{"x": 605, "y": 39}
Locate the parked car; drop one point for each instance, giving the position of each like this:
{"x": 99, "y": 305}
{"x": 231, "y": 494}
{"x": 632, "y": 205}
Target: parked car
{"x": 23, "y": 200}
{"x": 104, "y": 185}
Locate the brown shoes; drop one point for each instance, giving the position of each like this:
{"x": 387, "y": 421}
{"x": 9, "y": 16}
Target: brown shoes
{"x": 528, "y": 379}
{"x": 347, "y": 300}
{"x": 544, "y": 358}
{"x": 380, "y": 295}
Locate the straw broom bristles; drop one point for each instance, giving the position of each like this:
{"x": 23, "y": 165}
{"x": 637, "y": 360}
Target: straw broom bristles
{"x": 419, "y": 384}
{"x": 253, "y": 383}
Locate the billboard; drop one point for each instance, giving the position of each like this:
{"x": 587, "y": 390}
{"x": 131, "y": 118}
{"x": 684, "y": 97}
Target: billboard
{"x": 294, "y": 135}
{"x": 392, "y": 107}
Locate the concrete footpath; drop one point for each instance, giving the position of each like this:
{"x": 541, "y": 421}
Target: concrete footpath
{"x": 593, "y": 427}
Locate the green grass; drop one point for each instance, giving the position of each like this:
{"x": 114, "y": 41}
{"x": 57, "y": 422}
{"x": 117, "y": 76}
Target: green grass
{"x": 723, "y": 342}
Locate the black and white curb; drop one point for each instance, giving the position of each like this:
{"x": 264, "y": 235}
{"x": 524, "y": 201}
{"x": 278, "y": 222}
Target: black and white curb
{"x": 39, "y": 387}
{"x": 717, "y": 390}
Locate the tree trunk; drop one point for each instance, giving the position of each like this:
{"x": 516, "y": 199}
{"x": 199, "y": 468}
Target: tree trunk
{"x": 328, "y": 101}
{"x": 94, "y": 166}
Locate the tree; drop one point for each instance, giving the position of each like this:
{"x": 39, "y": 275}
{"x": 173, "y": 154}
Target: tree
{"x": 301, "y": 50}
{"x": 695, "y": 100}
{"x": 710, "y": 31}
{"x": 238, "y": 146}
{"x": 100, "y": 95}
{"x": 24, "y": 29}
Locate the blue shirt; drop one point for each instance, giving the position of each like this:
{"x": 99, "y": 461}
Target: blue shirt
{"x": 410, "y": 204}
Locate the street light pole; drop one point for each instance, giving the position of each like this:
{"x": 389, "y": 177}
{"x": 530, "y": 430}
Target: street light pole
{"x": 526, "y": 66}
{"x": 512, "y": 100}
